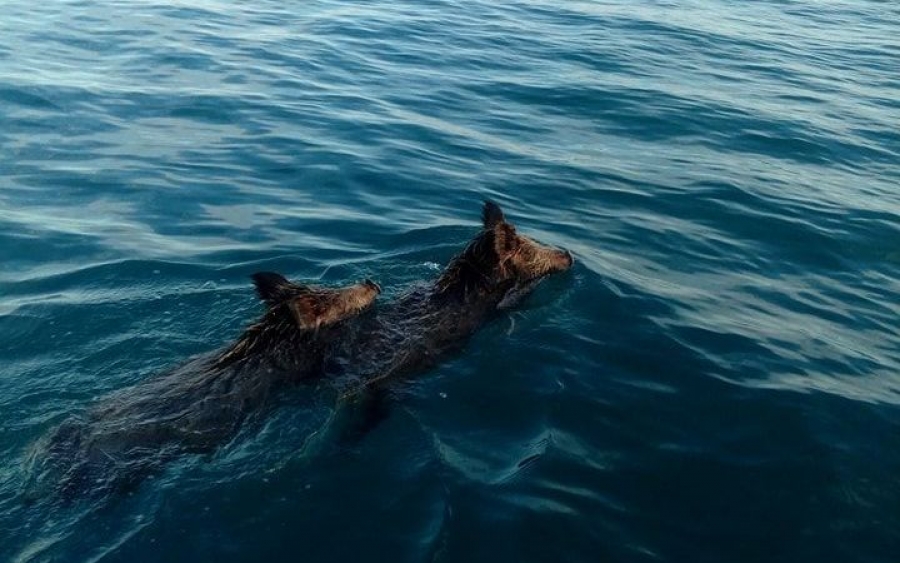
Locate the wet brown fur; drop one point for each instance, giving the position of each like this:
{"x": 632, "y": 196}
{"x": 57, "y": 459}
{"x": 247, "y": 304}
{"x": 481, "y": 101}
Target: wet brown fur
{"x": 295, "y": 312}
{"x": 498, "y": 255}
{"x": 201, "y": 404}
{"x": 305, "y": 332}
{"x": 412, "y": 333}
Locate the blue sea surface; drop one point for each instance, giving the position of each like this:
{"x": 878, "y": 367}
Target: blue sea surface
{"x": 717, "y": 380}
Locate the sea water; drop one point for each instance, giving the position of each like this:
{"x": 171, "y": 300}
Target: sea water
{"x": 717, "y": 380}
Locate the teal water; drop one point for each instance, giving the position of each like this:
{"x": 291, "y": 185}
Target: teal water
{"x": 717, "y": 380}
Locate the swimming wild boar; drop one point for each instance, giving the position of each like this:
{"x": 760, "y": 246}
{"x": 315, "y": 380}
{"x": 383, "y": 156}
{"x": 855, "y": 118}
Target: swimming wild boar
{"x": 200, "y": 405}
{"x": 496, "y": 270}
{"x": 305, "y": 332}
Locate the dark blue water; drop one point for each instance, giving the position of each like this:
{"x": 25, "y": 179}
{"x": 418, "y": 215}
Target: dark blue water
{"x": 718, "y": 379}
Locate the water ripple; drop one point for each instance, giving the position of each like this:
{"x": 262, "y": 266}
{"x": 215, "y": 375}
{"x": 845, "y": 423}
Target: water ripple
{"x": 717, "y": 377}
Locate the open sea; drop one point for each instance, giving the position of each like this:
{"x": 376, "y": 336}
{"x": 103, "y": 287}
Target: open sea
{"x": 717, "y": 380}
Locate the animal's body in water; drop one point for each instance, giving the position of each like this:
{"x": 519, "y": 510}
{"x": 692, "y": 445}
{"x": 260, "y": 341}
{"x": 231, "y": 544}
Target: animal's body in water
{"x": 198, "y": 406}
{"x": 496, "y": 270}
{"x": 304, "y": 334}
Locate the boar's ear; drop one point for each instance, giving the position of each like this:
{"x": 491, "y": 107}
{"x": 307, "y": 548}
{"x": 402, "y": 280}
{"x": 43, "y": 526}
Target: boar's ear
{"x": 506, "y": 241}
{"x": 491, "y": 215}
{"x": 274, "y": 288}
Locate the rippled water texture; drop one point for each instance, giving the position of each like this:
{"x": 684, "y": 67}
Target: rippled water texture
{"x": 718, "y": 379}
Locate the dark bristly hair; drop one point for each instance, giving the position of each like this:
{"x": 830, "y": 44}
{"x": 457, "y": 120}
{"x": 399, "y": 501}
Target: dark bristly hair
{"x": 491, "y": 215}
{"x": 273, "y": 288}
{"x": 474, "y": 270}
{"x": 276, "y": 326}
{"x": 294, "y": 314}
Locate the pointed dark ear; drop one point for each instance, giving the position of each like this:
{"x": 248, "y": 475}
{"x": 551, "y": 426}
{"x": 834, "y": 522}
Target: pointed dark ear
{"x": 274, "y": 288}
{"x": 506, "y": 241}
{"x": 491, "y": 215}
